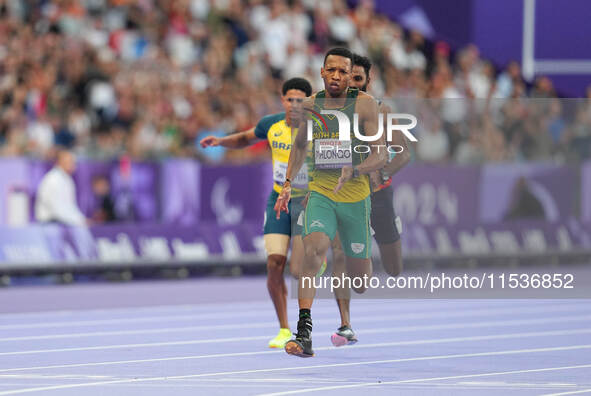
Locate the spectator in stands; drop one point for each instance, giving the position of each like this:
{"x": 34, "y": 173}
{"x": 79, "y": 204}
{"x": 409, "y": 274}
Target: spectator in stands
{"x": 433, "y": 144}
{"x": 440, "y": 58}
{"x": 507, "y": 80}
{"x": 471, "y": 150}
{"x": 14, "y": 143}
{"x": 56, "y": 196}
{"x": 341, "y": 26}
{"x": 143, "y": 76}
{"x": 536, "y": 143}
{"x": 543, "y": 88}
{"x": 493, "y": 141}
{"x": 580, "y": 132}
{"x": 555, "y": 123}
{"x": 105, "y": 208}
{"x": 41, "y": 137}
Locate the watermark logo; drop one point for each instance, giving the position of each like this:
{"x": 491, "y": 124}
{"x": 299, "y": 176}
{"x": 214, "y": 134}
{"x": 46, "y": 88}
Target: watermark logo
{"x": 345, "y": 125}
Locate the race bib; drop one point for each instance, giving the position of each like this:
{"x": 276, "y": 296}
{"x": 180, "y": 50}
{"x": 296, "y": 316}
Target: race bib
{"x": 280, "y": 173}
{"x": 332, "y": 153}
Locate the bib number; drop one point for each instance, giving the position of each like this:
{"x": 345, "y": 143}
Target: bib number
{"x": 280, "y": 173}
{"x": 332, "y": 153}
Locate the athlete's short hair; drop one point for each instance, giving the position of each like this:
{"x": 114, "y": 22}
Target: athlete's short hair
{"x": 339, "y": 51}
{"x": 298, "y": 83}
{"x": 363, "y": 61}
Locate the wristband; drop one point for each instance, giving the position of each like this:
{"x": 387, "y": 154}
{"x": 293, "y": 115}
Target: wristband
{"x": 355, "y": 172}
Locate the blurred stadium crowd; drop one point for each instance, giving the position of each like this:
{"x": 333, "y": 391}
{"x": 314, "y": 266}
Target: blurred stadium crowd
{"x": 150, "y": 77}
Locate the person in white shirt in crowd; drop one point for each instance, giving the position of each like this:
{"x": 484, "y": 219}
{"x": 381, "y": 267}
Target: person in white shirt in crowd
{"x": 56, "y": 195}
{"x": 433, "y": 145}
{"x": 406, "y": 54}
{"x": 507, "y": 80}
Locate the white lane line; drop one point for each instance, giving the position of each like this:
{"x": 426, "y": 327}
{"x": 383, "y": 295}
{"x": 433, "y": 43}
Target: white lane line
{"x": 222, "y": 306}
{"x": 190, "y": 380}
{"x": 458, "y": 385}
{"x": 278, "y": 369}
{"x": 60, "y": 376}
{"x": 276, "y": 380}
{"x": 167, "y": 388}
{"x": 428, "y": 341}
{"x": 376, "y": 318}
{"x": 512, "y": 384}
{"x": 208, "y": 307}
{"x": 161, "y": 318}
{"x": 502, "y": 323}
{"x": 166, "y": 330}
{"x": 569, "y": 393}
{"x": 395, "y": 310}
{"x": 145, "y": 345}
{"x": 132, "y": 309}
{"x": 148, "y": 319}
{"x": 418, "y": 380}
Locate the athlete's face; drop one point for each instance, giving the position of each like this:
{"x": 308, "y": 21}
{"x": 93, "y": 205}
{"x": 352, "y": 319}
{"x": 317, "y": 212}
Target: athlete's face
{"x": 359, "y": 79}
{"x": 336, "y": 74}
{"x": 292, "y": 103}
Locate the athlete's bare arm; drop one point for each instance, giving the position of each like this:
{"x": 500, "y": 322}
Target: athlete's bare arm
{"x": 401, "y": 159}
{"x": 367, "y": 108}
{"x": 234, "y": 141}
{"x": 297, "y": 157}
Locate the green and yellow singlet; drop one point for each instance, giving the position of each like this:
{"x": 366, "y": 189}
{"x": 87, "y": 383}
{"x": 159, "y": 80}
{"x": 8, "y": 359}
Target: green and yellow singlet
{"x": 329, "y": 154}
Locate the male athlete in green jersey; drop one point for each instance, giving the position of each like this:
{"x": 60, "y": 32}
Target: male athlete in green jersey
{"x": 339, "y": 185}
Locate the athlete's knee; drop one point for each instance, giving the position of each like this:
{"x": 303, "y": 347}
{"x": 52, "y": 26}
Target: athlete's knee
{"x": 360, "y": 271}
{"x": 391, "y": 258}
{"x": 359, "y": 290}
{"x": 314, "y": 250}
{"x": 339, "y": 271}
{"x": 275, "y": 264}
{"x": 359, "y": 283}
{"x": 338, "y": 258}
{"x": 393, "y": 267}
{"x": 295, "y": 274}
{"x": 295, "y": 269}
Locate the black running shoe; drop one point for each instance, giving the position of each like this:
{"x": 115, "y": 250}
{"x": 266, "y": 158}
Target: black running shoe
{"x": 344, "y": 336}
{"x": 302, "y": 344}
